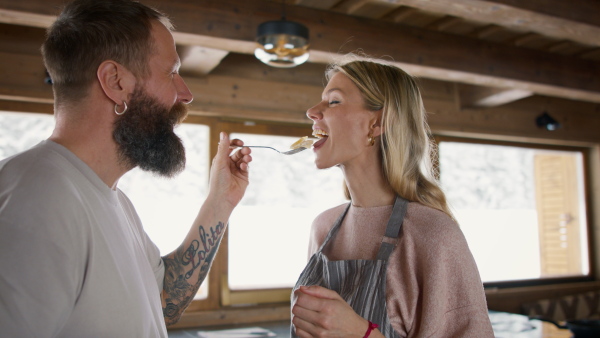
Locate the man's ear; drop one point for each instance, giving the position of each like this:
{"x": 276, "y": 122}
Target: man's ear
{"x": 375, "y": 123}
{"x": 116, "y": 81}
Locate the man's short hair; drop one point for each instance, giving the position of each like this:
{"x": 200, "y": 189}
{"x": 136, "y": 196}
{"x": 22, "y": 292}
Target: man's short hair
{"x": 89, "y": 32}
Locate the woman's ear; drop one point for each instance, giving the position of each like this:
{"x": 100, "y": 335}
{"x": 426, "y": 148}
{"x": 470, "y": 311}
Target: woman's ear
{"x": 116, "y": 81}
{"x": 375, "y": 123}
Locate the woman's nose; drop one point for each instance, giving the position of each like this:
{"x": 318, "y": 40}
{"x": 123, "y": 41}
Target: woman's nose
{"x": 314, "y": 113}
{"x": 183, "y": 92}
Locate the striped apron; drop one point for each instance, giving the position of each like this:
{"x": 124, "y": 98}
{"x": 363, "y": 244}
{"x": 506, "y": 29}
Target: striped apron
{"x": 361, "y": 283}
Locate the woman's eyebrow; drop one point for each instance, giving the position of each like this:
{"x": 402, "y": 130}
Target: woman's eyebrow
{"x": 332, "y": 90}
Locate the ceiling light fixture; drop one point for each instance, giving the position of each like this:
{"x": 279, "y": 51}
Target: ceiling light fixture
{"x": 282, "y": 43}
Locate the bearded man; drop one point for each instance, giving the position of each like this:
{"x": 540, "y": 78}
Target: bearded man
{"x": 74, "y": 257}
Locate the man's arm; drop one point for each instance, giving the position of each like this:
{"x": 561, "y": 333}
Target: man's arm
{"x": 187, "y": 267}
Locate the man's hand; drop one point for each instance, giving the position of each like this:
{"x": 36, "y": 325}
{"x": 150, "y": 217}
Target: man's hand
{"x": 229, "y": 172}
{"x": 320, "y": 312}
{"x": 187, "y": 266}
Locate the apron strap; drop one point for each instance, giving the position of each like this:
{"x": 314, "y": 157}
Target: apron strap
{"x": 335, "y": 228}
{"x": 392, "y": 231}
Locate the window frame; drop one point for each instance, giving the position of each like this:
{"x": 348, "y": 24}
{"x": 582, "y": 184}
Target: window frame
{"x": 587, "y": 186}
{"x": 220, "y": 296}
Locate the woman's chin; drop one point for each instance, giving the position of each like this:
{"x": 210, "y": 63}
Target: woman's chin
{"x": 323, "y": 164}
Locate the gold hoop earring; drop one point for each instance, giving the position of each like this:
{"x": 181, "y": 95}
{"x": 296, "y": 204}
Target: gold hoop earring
{"x": 124, "y": 110}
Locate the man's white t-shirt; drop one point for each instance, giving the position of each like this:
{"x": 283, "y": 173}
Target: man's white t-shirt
{"x": 74, "y": 258}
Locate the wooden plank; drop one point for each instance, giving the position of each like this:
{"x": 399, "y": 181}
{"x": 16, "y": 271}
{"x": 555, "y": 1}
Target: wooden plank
{"x": 510, "y": 299}
{"x": 321, "y": 4}
{"x": 554, "y": 18}
{"x": 370, "y": 9}
{"x": 485, "y": 31}
{"x": 574, "y": 10}
{"x": 516, "y": 122}
{"x": 266, "y": 100}
{"x": 231, "y": 25}
{"x": 251, "y": 91}
{"x": 21, "y": 39}
{"x": 402, "y": 13}
{"x": 229, "y": 316}
{"x": 196, "y": 60}
{"x": 23, "y": 78}
{"x": 443, "y": 23}
{"x": 26, "y": 107}
{"x": 269, "y": 98}
{"x": 473, "y": 97}
{"x": 247, "y": 66}
{"x": 25, "y": 18}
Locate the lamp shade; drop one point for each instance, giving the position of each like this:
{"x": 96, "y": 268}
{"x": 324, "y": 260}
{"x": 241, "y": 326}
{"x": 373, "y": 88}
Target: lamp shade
{"x": 282, "y": 43}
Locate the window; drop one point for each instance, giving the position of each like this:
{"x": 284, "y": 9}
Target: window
{"x": 268, "y": 234}
{"x": 522, "y": 209}
{"x": 21, "y": 131}
{"x": 168, "y": 206}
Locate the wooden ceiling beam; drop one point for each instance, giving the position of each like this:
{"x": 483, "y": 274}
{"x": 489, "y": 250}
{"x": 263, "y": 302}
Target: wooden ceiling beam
{"x": 198, "y": 61}
{"x": 321, "y": 4}
{"x": 484, "y": 97}
{"x": 402, "y": 13}
{"x": 240, "y": 87}
{"x": 575, "y": 20}
{"x": 485, "y": 32}
{"x": 573, "y": 10}
{"x": 26, "y": 107}
{"x": 369, "y": 9}
{"x": 443, "y": 23}
{"x": 230, "y": 25}
{"x": 23, "y": 78}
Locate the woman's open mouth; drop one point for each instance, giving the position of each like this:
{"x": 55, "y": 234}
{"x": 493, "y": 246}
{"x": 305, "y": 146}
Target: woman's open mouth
{"x": 322, "y": 136}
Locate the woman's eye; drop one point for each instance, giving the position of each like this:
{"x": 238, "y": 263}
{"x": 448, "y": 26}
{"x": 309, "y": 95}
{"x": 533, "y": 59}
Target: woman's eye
{"x": 334, "y": 102}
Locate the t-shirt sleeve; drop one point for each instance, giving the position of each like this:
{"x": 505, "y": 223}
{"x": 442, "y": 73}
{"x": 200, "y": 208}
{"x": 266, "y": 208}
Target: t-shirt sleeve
{"x": 151, "y": 251}
{"x": 42, "y": 254}
{"x": 38, "y": 295}
{"x": 153, "y": 254}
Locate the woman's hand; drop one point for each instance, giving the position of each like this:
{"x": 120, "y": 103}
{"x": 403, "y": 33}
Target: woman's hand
{"x": 320, "y": 312}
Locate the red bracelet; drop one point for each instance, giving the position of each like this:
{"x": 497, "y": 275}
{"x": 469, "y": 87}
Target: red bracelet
{"x": 372, "y": 326}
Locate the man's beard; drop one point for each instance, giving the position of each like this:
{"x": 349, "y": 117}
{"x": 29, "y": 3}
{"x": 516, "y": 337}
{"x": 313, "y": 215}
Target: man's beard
{"x": 145, "y": 137}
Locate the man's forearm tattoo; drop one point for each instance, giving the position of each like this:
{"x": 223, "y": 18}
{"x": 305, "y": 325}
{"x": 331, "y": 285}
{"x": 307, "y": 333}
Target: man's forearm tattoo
{"x": 180, "y": 268}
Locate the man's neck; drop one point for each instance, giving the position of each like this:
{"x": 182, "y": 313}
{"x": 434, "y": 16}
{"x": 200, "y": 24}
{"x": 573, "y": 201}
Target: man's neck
{"x": 91, "y": 141}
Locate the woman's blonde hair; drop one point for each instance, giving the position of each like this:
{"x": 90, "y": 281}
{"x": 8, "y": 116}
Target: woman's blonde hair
{"x": 405, "y": 141}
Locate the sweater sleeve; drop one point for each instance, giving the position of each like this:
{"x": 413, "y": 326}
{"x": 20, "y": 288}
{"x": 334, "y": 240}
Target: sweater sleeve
{"x": 434, "y": 287}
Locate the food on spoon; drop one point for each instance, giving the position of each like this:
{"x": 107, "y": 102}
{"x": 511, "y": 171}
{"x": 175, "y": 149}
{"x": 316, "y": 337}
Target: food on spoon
{"x": 302, "y": 142}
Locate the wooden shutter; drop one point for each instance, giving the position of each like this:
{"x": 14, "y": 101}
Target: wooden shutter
{"x": 558, "y": 214}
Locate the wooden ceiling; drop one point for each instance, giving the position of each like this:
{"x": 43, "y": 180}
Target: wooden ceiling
{"x": 489, "y": 53}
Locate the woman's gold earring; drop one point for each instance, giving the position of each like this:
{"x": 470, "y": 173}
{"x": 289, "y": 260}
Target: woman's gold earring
{"x": 371, "y": 140}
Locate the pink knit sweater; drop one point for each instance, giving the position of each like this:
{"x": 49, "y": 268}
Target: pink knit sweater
{"x": 433, "y": 286}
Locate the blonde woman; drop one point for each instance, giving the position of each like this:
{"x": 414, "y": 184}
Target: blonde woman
{"x": 392, "y": 262}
